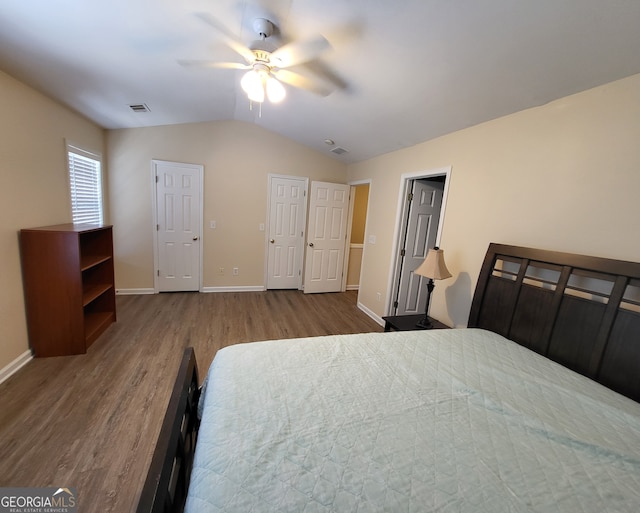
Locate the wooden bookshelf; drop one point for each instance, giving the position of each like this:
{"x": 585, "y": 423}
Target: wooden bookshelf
{"x": 67, "y": 271}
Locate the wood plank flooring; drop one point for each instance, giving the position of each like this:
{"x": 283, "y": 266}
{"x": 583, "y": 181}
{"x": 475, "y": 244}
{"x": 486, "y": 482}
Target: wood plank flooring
{"x": 91, "y": 421}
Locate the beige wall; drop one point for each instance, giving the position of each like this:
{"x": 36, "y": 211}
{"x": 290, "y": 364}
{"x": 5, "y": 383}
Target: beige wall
{"x": 34, "y": 189}
{"x": 564, "y": 176}
{"x": 237, "y": 159}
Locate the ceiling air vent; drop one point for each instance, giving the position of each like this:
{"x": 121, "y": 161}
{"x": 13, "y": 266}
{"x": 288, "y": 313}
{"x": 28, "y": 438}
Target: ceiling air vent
{"x": 140, "y": 107}
{"x": 339, "y": 151}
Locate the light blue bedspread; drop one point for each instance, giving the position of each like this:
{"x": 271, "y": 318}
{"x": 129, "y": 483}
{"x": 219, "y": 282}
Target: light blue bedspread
{"x": 424, "y": 421}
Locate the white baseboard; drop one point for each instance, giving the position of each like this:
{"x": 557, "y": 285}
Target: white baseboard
{"x": 353, "y": 287}
{"x": 134, "y": 292}
{"x": 15, "y": 365}
{"x": 247, "y": 288}
{"x": 371, "y": 314}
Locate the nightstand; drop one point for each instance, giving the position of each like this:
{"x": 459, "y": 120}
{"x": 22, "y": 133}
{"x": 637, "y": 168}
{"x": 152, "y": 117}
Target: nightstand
{"x": 408, "y": 323}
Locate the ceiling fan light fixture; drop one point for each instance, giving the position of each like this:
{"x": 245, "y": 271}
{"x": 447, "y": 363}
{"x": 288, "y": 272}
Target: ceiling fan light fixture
{"x": 266, "y": 63}
{"x": 275, "y": 90}
{"x": 257, "y": 96}
{"x": 258, "y": 84}
{"x": 251, "y": 84}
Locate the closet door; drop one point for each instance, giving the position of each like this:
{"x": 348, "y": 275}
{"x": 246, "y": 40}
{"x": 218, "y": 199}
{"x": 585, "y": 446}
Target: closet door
{"x": 326, "y": 237}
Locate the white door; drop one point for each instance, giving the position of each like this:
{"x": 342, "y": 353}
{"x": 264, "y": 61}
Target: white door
{"x": 421, "y": 232}
{"x": 326, "y": 237}
{"x": 287, "y": 213}
{"x": 178, "y": 217}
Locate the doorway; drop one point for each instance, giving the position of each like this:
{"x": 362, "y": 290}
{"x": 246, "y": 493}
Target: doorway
{"x": 421, "y": 209}
{"x": 359, "y": 209}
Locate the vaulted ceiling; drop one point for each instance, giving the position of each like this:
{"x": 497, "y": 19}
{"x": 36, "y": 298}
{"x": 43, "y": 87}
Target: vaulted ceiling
{"x": 400, "y": 71}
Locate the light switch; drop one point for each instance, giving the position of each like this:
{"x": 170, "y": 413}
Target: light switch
{"x": 212, "y": 225}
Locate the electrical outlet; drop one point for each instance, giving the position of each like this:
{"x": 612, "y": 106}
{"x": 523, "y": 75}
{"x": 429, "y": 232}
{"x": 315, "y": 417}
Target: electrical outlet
{"x": 221, "y": 271}
{"x": 378, "y": 296}
{"x": 236, "y": 271}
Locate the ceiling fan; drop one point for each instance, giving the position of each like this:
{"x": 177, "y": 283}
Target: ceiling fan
{"x": 266, "y": 64}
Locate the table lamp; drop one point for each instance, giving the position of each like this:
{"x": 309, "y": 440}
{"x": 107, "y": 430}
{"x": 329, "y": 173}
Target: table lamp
{"x": 433, "y": 268}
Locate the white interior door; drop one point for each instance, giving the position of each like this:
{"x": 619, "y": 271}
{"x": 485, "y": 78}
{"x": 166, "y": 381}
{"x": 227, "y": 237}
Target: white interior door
{"x": 287, "y": 213}
{"x": 179, "y": 227}
{"x": 326, "y": 237}
{"x": 421, "y": 231}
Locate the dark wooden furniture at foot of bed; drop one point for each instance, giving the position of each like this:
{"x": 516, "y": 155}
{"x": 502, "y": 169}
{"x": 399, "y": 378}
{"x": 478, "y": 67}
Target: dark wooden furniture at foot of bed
{"x": 583, "y": 312}
{"x": 167, "y": 483}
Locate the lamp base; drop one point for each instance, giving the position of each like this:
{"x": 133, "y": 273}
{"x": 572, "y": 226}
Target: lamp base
{"x": 424, "y": 323}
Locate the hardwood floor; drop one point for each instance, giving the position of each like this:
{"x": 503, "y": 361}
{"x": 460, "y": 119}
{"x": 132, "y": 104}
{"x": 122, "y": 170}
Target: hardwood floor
{"x": 90, "y": 422}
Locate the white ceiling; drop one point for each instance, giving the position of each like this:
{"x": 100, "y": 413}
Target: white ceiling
{"x": 405, "y": 71}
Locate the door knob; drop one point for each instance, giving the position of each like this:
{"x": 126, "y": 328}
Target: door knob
{"x": 272, "y": 241}
{"x": 195, "y": 237}
{"x": 311, "y": 244}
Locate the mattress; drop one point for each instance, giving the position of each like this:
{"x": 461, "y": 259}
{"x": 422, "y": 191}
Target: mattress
{"x": 424, "y": 421}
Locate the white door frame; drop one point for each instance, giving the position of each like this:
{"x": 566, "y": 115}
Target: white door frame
{"x": 303, "y": 239}
{"x": 154, "y": 227}
{"x": 401, "y": 212}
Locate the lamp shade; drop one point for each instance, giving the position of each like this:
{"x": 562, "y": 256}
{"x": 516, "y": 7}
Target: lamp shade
{"x": 433, "y": 266}
{"x": 275, "y": 90}
{"x": 252, "y": 84}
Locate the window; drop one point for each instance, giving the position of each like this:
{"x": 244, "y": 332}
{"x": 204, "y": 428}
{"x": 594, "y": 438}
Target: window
{"x": 85, "y": 183}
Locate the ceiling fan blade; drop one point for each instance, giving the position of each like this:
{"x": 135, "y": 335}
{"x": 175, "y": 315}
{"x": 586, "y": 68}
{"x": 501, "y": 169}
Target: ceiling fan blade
{"x": 299, "y": 52}
{"x": 227, "y": 37}
{"x": 297, "y": 80}
{"x": 198, "y": 63}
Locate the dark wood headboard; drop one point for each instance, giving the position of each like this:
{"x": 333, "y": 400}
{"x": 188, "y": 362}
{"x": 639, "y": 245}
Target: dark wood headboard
{"x": 581, "y": 311}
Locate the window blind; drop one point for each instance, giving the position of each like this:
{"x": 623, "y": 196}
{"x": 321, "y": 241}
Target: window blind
{"x": 85, "y": 182}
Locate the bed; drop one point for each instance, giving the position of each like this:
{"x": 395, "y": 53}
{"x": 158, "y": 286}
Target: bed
{"x": 533, "y": 408}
